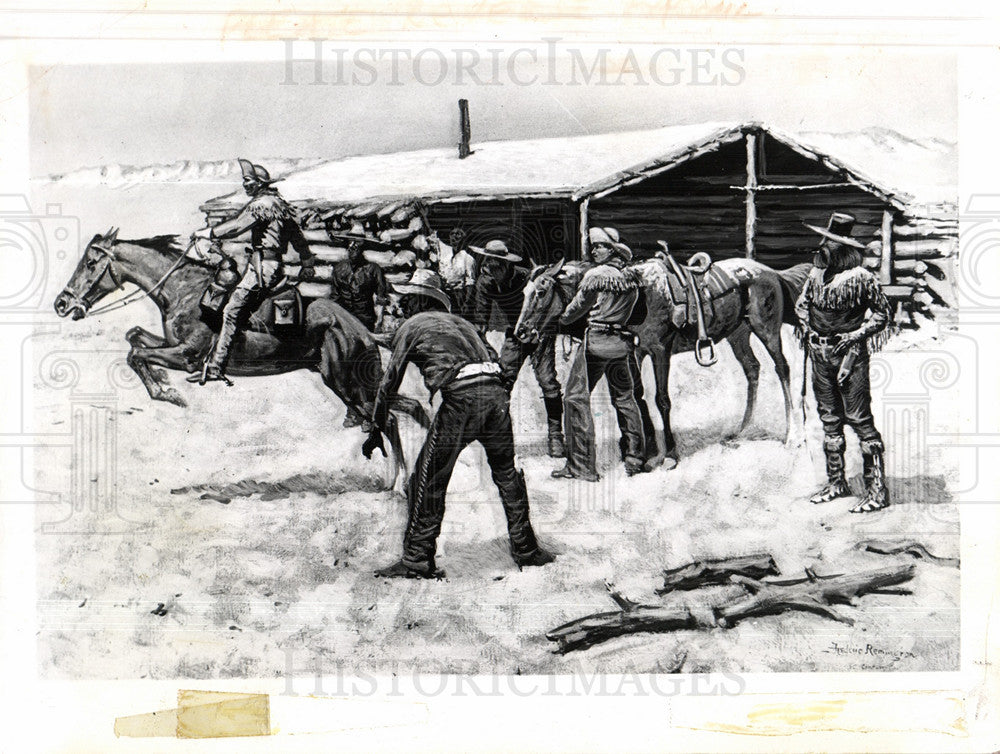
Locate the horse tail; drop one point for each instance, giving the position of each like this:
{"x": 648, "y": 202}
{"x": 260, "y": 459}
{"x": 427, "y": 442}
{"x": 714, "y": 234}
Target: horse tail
{"x": 793, "y": 280}
{"x": 411, "y": 408}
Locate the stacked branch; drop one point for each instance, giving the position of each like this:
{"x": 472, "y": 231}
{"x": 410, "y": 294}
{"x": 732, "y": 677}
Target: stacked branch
{"x": 815, "y": 594}
{"x": 717, "y": 571}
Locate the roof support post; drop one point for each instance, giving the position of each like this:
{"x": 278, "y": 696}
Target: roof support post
{"x": 885, "y": 263}
{"x": 751, "y": 194}
{"x": 584, "y": 228}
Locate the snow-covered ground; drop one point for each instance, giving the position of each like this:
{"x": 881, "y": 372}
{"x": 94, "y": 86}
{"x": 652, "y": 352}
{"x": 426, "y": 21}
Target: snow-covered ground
{"x": 287, "y": 572}
{"x": 199, "y": 588}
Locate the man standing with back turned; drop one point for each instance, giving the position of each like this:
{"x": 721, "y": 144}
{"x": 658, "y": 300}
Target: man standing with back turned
{"x": 454, "y": 359}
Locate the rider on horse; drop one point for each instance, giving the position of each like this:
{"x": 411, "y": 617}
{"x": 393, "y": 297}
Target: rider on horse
{"x": 272, "y": 225}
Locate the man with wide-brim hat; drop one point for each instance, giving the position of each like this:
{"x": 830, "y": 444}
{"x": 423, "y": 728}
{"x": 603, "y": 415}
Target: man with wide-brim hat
{"x": 607, "y": 239}
{"x": 843, "y": 318}
{"x": 455, "y": 360}
{"x": 273, "y": 226}
{"x": 501, "y": 284}
{"x": 424, "y": 283}
{"x": 606, "y": 296}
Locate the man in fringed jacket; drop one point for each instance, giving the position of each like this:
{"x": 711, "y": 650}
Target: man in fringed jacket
{"x": 844, "y": 317}
{"x": 606, "y": 296}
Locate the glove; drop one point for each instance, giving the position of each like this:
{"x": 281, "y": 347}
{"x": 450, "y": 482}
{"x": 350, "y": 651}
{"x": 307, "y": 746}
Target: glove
{"x": 374, "y": 441}
{"x": 845, "y": 341}
{"x": 205, "y": 233}
{"x": 307, "y": 273}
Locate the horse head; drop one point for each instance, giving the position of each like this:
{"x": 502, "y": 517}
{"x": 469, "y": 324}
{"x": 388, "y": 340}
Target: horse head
{"x": 546, "y": 295}
{"x": 94, "y": 278}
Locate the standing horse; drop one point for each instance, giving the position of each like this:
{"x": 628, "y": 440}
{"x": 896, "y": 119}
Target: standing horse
{"x": 332, "y": 341}
{"x": 765, "y": 301}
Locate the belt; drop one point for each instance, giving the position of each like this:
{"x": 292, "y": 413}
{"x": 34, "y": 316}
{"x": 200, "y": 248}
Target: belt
{"x": 609, "y": 327}
{"x": 823, "y": 340}
{"x": 478, "y": 369}
{"x": 482, "y": 373}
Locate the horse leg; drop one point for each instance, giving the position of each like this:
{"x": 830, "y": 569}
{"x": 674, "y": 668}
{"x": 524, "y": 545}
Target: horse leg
{"x": 142, "y": 338}
{"x": 152, "y": 379}
{"x": 178, "y": 357}
{"x": 769, "y": 331}
{"x": 335, "y": 367}
{"x": 661, "y": 371}
{"x": 739, "y": 340}
{"x": 648, "y": 431}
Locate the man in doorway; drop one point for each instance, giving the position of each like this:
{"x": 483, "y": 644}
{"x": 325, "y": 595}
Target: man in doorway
{"x": 457, "y": 268}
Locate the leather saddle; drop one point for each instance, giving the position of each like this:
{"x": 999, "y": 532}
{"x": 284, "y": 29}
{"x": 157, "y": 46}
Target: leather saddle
{"x": 283, "y": 310}
{"x": 693, "y": 289}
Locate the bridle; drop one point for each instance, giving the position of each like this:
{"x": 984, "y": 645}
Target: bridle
{"x": 131, "y": 298}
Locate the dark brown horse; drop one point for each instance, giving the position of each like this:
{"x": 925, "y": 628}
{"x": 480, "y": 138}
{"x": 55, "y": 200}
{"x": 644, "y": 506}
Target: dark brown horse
{"x": 765, "y": 301}
{"x": 331, "y": 340}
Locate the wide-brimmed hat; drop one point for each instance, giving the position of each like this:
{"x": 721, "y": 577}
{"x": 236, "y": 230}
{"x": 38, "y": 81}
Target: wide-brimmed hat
{"x": 609, "y": 237}
{"x": 838, "y": 229}
{"x": 425, "y": 283}
{"x": 497, "y": 250}
{"x": 256, "y": 173}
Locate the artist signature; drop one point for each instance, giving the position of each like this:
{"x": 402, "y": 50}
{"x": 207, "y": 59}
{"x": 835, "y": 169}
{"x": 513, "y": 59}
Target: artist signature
{"x": 869, "y": 651}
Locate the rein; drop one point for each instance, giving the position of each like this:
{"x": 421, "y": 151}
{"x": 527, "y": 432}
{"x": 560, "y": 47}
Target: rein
{"x": 136, "y": 295}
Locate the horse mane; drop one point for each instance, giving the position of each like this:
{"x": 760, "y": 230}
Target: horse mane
{"x": 167, "y": 244}
{"x": 171, "y": 246}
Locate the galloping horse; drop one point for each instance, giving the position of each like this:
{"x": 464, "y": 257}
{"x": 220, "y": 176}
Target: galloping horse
{"x": 331, "y": 341}
{"x": 766, "y": 300}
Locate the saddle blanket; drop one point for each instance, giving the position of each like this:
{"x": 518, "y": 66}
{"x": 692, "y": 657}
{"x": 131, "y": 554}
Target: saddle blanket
{"x": 713, "y": 285}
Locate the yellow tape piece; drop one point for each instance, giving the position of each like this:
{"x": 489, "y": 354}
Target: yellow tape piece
{"x": 202, "y": 714}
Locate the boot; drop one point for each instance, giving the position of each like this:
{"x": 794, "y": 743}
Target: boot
{"x": 399, "y": 570}
{"x": 566, "y": 473}
{"x": 634, "y": 466}
{"x": 833, "y": 446}
{"x": 553, "y": 412}
{"x": 539, "y": 557}
{"x": 876, "y": 492}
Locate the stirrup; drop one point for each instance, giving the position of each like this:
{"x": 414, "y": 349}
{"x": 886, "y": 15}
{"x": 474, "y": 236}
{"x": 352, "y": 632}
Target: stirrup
{"x": 704, "y": 352}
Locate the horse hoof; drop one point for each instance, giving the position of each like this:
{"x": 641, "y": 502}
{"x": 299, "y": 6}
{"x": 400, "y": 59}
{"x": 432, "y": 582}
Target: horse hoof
{"x": 172, "y": 396}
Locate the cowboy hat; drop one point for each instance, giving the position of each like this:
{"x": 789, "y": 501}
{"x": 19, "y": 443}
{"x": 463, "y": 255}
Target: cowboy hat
{"x": 609, "y": 237}
{"x": 838, "y": 229}
{"x": 256, "y": 173}
{"x": 496, "y": 249}
{"x": 424, "y": 283}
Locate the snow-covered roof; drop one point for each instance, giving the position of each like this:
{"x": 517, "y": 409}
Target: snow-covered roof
{"x": 904, "y": 170}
